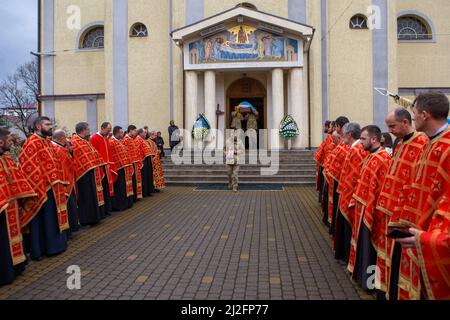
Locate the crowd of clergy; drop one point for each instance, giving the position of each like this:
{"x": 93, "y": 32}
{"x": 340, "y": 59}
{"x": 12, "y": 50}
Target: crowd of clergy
{"x": 62, "y": 184}
{"x": 389, "y": 216}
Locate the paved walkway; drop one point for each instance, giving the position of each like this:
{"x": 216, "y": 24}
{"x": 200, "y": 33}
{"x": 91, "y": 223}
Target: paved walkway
{"x": 184, "y": 244}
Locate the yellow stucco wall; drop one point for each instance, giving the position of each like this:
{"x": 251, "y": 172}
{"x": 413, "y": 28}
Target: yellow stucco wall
{"x": 349, "y": 64}
{"x": 101, "y": 112}
{"x": 279, "y": 7}
{"x": 148, "y": 66}
{"x": 178, "y": 21}
{"x": 69, "y": 113}
{"x": 426, "y": 64}
{"x": 350, "y": 78}
{"x": 87, "y": 67}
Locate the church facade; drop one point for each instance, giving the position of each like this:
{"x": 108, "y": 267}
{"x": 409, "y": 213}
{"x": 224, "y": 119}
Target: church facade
{"x": 146, "y": 62}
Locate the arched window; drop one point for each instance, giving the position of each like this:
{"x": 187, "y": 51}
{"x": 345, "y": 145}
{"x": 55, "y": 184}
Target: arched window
{"x": 93, "y": 38}
{"x": 358, "y": 21}
{"x": 412, "y": 28}
{"x": 247, "y": 5}
{"x": 138, "y": 30}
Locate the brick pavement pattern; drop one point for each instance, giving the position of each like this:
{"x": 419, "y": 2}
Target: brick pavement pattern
{"x": 185, "y": 244}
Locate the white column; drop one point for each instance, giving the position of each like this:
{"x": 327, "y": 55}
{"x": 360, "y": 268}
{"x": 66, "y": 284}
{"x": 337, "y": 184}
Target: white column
{"x": 210, "y": 104}
{"x": 277, "y": 108}
{"x": 191, "y": 106}
{"x": 299, "y": 109}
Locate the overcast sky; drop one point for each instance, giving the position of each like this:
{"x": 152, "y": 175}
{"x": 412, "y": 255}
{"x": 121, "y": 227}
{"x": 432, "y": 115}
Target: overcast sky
{"x": 18, "y": 34}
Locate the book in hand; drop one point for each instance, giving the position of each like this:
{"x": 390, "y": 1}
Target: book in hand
{"x": 399, "y": 233}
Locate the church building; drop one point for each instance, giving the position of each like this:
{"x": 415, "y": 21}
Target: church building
{"x": 146, "y": 62}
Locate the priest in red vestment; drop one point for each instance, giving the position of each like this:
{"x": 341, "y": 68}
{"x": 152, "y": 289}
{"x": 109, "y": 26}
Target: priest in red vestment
{"x": 363, "y": 254}
{"x": 427, "y": 202}
{"x": 135, "y": 155}
{"x": 158, "y": 173}
{"x": 100, "y": 141}
{"x": 395, "y": 282}
{"x": 329, "y": 156}
{"x": 89, "y": 175}
{"x": 14, "y": 190}
{"x": 46, "y": 219}
{"x": 147, "y": 170}
{"x": 123, "y": 186}
{"x": 351, "y": 170}
{"x": 333, "y": 172}
{"x": 64, "y": 152}
{"x": 319, "y": 158}
{"x": 318, "y": 154}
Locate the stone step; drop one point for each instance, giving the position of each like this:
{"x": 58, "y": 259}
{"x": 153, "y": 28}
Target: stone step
{"x": 200, "y": 182}
{"x": 285, "y": 156}
{"x": 254, "y": 178}
{"x": 291, "y": 167}
{"x": 242, "y": 172}
{"x": 282, "y": 166}
{"x": 280, "y": 160}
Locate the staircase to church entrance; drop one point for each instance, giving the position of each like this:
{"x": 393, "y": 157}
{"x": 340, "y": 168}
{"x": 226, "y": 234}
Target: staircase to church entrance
{"x": 294, "y": 167}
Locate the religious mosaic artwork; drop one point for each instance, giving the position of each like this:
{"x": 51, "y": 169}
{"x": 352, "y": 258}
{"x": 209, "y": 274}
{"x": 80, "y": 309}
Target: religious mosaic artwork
{"x": 243, "y": 43}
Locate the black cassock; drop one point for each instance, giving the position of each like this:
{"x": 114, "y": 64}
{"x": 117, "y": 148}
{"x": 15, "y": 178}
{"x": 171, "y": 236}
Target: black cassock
{"x": 335, "y": 207}
{"x": 8, "y": 272}
{"x": 72, "y": 211}
{"x": 366, "y": 256}
{"x": 135, "y": 194}
{"x": 147, "y": 178}
{"x": 395, "y": 271}
{"x": 321, "y": 181}
{"x": 107, "y": 207}
{"x": 325, "y": 203}
{"x": 45, "y": 237}
{"x": 120, "y": 201}
{"x": 89, "y": 211}
{"x": 343, "y": 234}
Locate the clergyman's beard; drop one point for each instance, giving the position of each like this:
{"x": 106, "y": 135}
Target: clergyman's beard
{"x": 47, "y": 133}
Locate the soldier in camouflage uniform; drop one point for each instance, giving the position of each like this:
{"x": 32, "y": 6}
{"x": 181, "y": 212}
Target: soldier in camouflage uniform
{"x": 234, "y": 149}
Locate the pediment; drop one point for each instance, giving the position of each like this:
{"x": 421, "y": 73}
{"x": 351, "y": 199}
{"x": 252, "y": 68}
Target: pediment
{"x": 243, "y": 38}
{"x": 242, "y": 16}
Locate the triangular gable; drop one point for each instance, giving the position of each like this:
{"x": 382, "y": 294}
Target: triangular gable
{"x": 240, "y": 14}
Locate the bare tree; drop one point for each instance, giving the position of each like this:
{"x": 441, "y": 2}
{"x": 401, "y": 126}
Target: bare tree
{"x": 19, "y": 95}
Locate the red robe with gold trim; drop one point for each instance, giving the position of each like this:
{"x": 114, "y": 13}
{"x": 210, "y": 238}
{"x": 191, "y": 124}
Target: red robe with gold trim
{"x": 328, "y": 149}
{"x": 135, "y": 156}
{"x": 158, "y": 173}
{"x": 143, "y": 147}
{"x": 68, "y": 167}
{"x": 427, "y": 205}
{"x": 39, "y": 162}
{"x": 389, "y": 206}
{"x": 13, "y": 187}
{"x": 351, "y": 171}
{"x": 366, "y": 194}
{"x": 333, "y": 171}
{"x": 101, "y": 144}
{"x": 122, "y": 160}
{"x": 87, "y": 158}
{"x": 319, "y": 157}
